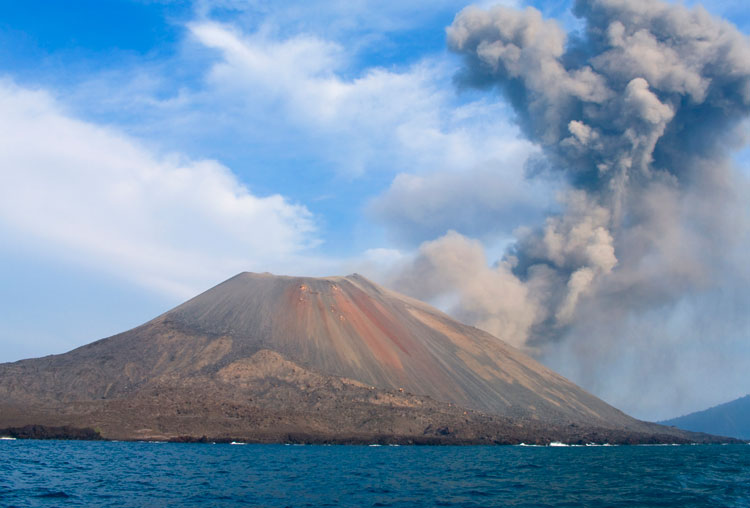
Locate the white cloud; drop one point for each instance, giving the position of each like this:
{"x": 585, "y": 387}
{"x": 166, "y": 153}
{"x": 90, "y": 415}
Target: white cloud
{"x": 488, "y": 202}
{"x": 390, "y": 120}
{"x": 92, "y": 195}
{"x": 339, "y": 18}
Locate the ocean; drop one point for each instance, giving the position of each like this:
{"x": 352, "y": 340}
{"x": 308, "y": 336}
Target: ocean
{"x": 119, "y": 474}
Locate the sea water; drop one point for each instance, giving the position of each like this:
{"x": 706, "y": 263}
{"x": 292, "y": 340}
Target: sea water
{"x": 93, "y": 474}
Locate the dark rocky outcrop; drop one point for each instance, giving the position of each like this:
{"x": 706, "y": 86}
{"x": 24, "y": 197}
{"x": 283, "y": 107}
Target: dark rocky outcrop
{"x": 49, "y": 432}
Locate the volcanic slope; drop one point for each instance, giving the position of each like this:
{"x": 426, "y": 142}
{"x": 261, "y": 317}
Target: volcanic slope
{"x": 266, "y": 357}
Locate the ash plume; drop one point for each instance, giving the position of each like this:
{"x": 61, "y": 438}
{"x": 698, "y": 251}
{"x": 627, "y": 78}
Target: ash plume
{"x": 640, "y": 113}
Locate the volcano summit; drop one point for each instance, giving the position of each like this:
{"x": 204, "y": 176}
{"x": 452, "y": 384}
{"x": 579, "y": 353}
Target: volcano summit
{"x": 338, "y": 359}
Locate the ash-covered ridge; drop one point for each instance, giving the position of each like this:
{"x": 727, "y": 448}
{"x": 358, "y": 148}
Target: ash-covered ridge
{"x": 350, "y": 327}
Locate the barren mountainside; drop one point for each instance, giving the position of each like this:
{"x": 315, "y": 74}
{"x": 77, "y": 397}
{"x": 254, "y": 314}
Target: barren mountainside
{"x": 728, "y": 419}
{"x": 263, "y": 357}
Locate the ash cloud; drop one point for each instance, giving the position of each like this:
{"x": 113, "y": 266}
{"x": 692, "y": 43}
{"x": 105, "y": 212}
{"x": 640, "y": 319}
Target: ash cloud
{"x": 640, "y": 115}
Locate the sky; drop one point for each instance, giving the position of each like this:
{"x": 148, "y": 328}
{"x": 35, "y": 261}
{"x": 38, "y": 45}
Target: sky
{"x": 151, "y": 149}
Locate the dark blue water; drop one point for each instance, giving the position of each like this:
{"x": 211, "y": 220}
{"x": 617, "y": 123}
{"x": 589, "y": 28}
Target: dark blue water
{"x": 66, "y": 473}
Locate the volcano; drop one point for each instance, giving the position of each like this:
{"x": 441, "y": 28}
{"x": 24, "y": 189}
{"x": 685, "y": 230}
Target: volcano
{"x": 338, "y": 359}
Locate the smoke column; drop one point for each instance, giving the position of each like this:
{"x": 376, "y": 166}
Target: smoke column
{"x": 640, "y": 114}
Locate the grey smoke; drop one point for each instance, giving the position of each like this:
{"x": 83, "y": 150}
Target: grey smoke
{"x": 640, "y": 115}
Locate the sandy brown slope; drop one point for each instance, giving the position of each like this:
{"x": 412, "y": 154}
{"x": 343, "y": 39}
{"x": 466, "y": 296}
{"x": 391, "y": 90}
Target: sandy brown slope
{"x": 261, "y": 355}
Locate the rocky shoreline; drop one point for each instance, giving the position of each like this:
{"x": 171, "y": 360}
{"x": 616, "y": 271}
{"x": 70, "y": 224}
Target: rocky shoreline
{"x": 599, "y": 437}
{"x": 51, "y": 432}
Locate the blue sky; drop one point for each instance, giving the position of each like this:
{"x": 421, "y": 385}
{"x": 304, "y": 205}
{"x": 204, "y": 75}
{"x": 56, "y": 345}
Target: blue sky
{"x": 155, "y": 148}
